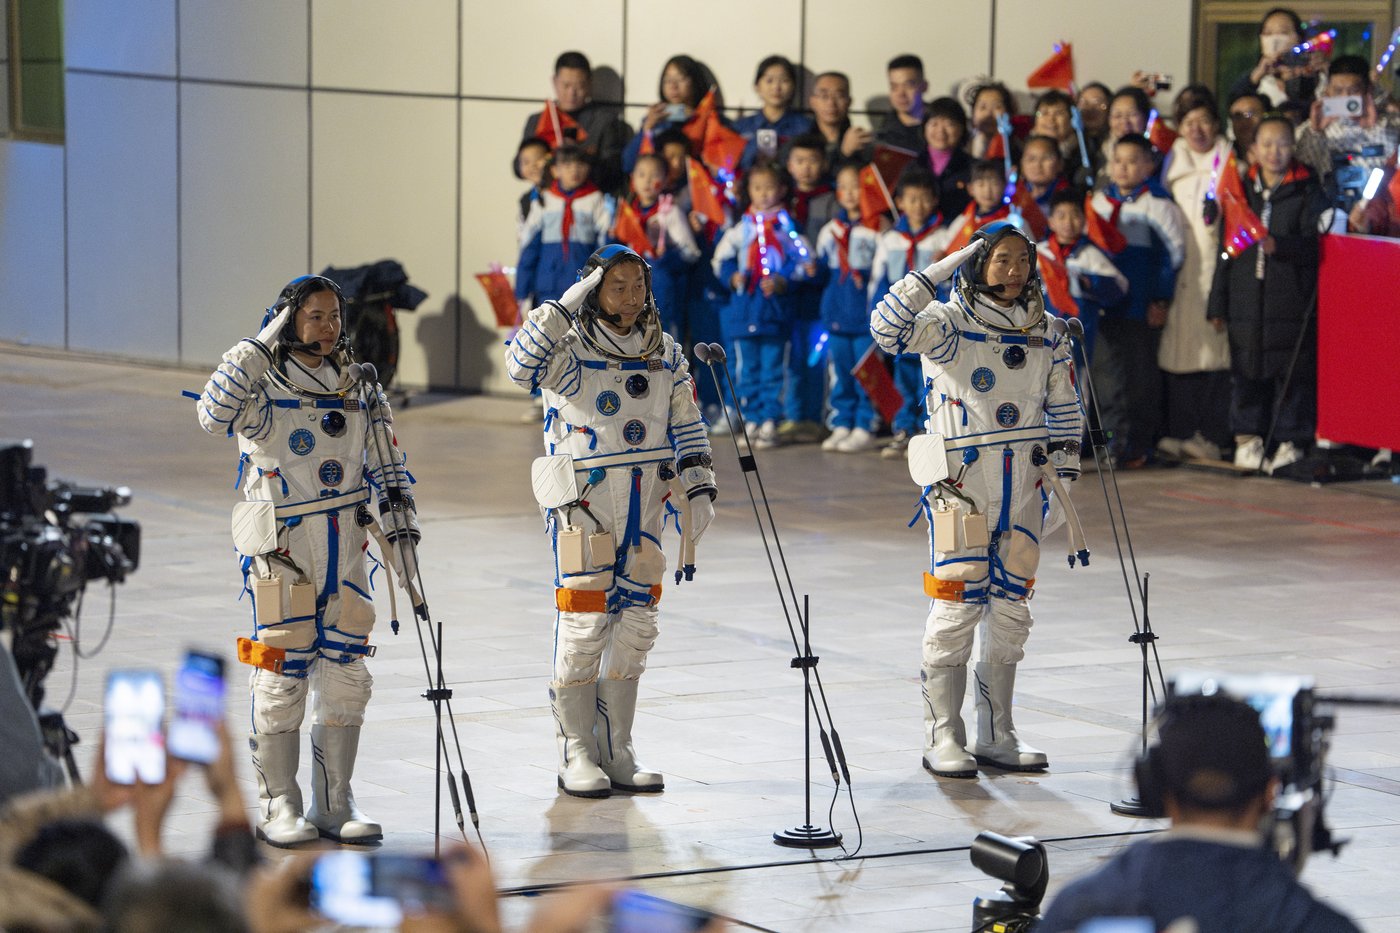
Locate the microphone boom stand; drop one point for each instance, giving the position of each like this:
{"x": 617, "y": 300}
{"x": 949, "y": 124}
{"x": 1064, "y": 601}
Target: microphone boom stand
{"x": 807, "y": 835}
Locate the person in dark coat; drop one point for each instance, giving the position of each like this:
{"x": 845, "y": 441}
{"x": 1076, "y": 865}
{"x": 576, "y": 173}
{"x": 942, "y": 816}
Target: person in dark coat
{"x": 1264, "y": 295}
{"x": 604, "y": 132}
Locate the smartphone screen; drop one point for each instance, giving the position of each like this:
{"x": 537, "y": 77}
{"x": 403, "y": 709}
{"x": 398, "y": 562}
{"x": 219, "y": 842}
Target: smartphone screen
{"x": 359, "y": 890}
{"x": 199, "y": 708}
{"x": 635, "y": 912}
{"x": 133, "y": 711}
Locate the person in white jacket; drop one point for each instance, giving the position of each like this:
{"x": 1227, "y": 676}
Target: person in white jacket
{"x": 1003, "y": 409}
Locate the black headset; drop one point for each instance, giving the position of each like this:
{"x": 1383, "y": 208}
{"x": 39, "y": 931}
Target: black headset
{"x": 294, "y": 294}
{"x": 1152, "y": 770}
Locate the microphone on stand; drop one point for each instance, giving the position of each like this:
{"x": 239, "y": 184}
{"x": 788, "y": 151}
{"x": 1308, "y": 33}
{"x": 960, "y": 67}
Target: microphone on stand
{"x": 702, "y": 352}
{"x": 717, "y": 353}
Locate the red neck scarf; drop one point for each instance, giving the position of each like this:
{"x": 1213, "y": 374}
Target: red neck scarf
{"x": 912, "y": 241}
{"x": 843, "y": 252}
{"x": 801, "y": 201}
{"x": 568, "y": 197}
{"x": 1061, "y": 251}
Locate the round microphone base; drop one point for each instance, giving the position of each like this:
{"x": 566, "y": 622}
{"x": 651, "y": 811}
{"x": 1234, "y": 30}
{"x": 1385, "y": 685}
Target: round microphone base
{"x": 807, "y": 836}
{"x": 1129, "y": 806}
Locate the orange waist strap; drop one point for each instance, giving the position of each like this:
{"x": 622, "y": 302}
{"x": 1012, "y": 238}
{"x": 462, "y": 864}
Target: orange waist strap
{"x": 567, "y": 600}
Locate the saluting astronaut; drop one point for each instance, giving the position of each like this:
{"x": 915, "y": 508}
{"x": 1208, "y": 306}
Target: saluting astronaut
{"x": 311, "y": 445}
{"x": 1004, "y": 424}
{"x": 622, "y": 430}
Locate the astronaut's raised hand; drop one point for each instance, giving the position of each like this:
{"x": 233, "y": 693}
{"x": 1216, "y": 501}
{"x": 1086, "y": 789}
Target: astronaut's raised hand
{"x": 573, "y": 296}
{"x": 271, "y": 334}
{"x": 702, "y": 512}
{"x": 943, "y": 269}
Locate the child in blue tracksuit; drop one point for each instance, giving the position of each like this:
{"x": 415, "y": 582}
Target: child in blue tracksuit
{"x": 756, "y": 260}
{"x": 1126, "y": 378}
{"x": 845, "y": 255}
{"x": 769, "y": 130}
{"x": 914, "y": 242}
{"x": 1094, "y": 281}
{"x": 672, "y": 251}
{"x": 570, "y": 220}
{"x": 811, "y": 205}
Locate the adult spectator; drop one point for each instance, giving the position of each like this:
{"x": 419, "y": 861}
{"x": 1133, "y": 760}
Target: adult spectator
{"x": 1277, "y": 76}
{"x": 604, "y": 133}
{"x": 1195, "y": 352}
{"x": 1246, "y": 110}
{"x": 683, "y": 84}
{"x": 830, "y": 103}
{"x": 1212, "y": 771}
{"x": 1363, "y": 142}
{"x": 1128, "y": 111}
{"x": 1093, "y": 102}
{"x": 987, "y": 102}
{"x": 903, "y": 125}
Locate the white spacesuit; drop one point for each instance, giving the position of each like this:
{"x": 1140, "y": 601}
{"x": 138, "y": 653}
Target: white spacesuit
{"x": 622, "y": 407}
{"x": 310, "y": 442}
{"x": 1001, "y": 395}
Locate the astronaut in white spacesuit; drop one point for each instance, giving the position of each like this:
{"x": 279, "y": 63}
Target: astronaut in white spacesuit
{"x": 622, "y": 424}
{"x": 312, "y": 443}
{"x": 1005, "y": 414}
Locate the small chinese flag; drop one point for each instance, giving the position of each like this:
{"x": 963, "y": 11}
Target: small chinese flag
{"x": 1102, "y": 233}
{"x": 966, "y": 225}
{"x": 1159, "y": 134}
{"x": 647, "y": 147}
{"x": 878, "y": 180}
{"x": 703, "y": 196}
{"x": 498, "y": 289}
{"x": 996, "y": 149}
{"x": 1023, "y": 200}
{"x": 699, "y": 123}
{"x": 722, "y": 148}
{"x": 629, "y": 230}
{"x": 1058, "y": 70}
{"x": 1243, "y": 228}
{"x": 555, "y": 126}
{"x": 875, "y": 379}
{"x": 1055, "y": 275}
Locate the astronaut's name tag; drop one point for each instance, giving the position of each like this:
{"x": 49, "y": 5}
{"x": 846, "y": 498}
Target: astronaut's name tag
{"x": 570, "y": 549}
{"x": 655, "y": 366}
{"x": 1035, "y": 341}
{"x": 945, "y": 528}
{"x": 352, "y": 404}
{"x": 975, "y": 530}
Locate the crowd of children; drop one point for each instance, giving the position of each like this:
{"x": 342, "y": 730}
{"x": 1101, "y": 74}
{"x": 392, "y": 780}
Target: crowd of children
{"x": 775, "y": 233}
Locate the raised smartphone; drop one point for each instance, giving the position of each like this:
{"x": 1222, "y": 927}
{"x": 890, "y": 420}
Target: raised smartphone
{"x": 635, "y": 912}
{"x": 133, "y": 712}
{"x": 359, "y": 890}
{"x": 199, "y": 708}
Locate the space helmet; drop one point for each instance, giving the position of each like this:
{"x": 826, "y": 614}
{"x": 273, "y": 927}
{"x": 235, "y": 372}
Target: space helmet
{"x": 293, "y": 295}
{"x": 590, "y": 312}
{"x": 968, "y": 280}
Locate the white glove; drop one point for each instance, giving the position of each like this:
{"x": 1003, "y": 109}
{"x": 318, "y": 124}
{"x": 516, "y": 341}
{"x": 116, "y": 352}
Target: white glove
{"x": 943, "y": 269}
{"x": 271, "y": 335}
{"x": 404, "y": 561}
{"x": 702, "y": 512}
{"x": 573, "y": 297}
{"x": 549, "y": 319}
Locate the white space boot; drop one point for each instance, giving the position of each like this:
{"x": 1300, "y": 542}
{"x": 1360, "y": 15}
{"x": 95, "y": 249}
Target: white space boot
{"x": 333, "y": 809}
{"x": 945, "y": 738}
{"x": 997, "y": 744}
{"x": 617, "y": 707}
{"x": 279, "y": 797}
{"x": 575, "y": 709}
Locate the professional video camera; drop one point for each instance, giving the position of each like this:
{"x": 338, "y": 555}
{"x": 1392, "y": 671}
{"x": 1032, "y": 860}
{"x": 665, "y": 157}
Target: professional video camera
{"x": 1299, "y": 736}
{"x": 55, "y": 536}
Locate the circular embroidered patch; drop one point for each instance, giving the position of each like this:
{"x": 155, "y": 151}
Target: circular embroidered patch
{"x": 983, "y": 379}
{"x": 608, "y": 403}
{"x": 1007, "y": 415}
{"x": 302, "y": 442}
{"x": 634, "y": 432}
{"x": 331, "y": 473}
{"x": 1014, "y": 357}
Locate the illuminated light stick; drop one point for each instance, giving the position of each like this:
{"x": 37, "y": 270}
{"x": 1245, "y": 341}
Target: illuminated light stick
{"x": 1004, "y": 130}
{"x": 1322, "y": 42}
{"x": 818, "y": 349}
{"x": 1388, "y": 53}
{"x": 1076, "y": 120}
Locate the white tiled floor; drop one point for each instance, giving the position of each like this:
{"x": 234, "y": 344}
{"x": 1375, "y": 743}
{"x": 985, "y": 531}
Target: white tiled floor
{"x": 1247, "y": 575}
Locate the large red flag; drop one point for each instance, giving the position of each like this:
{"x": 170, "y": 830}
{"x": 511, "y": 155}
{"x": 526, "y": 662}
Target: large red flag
{"x": 1102, "y": 233}
{"x": 699, "y": 123}
{"x": 1058, "y": 70}
{"x": 555, "y": 126}
{"x": 703, "y": 196}
{"x": 875, "y": 379}
{"x": 1159, "y": 134}
{"x": 502, "y": 296}
{"x": 629, "y": 230}
{"x": 1243, "y": 228}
